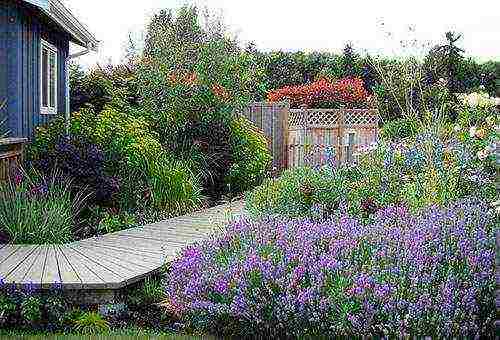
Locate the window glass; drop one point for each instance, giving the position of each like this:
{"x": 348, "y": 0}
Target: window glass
{"x": 52, "y": 80}
{"x": 45, "y": 62}
{"x": 48, "y": 81}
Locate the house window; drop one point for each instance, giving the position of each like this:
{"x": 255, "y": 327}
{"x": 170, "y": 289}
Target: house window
{"x": 48, "y": 78}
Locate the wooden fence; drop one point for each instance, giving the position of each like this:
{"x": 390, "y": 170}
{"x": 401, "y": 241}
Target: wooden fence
{"x": 320, "y": 136}
{"x": 313, "y": 136}
{"x": 272, "y": 119}
{"x": 11, "y": 155}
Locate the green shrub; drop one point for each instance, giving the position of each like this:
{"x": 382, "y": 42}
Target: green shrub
{"x": 207, "y": 153}
{"x": 99, "y": 87}
{"x": 91, "y": 323}
{"x": 400, "y": 128}
{"x": 298, "y": 192}
{"x": 174, "y": 188}
{"x": 29, "y": 309}
{"x": 252, "y": 157}
{"x": 36, "y": 209}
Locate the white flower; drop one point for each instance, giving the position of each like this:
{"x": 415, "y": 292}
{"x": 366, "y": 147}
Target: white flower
{"x": 482, "y": 155}
{"x": 472, "y": 131}
{"x": 473, "y": 100}
{"x": 457, "y": 128}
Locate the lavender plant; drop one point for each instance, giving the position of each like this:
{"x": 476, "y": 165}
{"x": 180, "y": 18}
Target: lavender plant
{"x": 430, "y": 274}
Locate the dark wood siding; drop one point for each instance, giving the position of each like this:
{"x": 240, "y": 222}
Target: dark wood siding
{"x": 3, "y": 64}
{"x": 25, "y": 28}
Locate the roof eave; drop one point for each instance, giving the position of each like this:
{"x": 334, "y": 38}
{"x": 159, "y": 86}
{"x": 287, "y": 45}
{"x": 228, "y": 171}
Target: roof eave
{"x": 66, "y": 20}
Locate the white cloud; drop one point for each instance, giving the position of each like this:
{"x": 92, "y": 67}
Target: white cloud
{"x": 309, "y": 25}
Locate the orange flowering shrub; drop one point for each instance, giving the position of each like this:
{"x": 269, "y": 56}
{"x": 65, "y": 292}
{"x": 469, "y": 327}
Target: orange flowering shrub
{"x": 220, "y": 91}
{"x": 325, "y": 94}
{"x": 188, "y": 79}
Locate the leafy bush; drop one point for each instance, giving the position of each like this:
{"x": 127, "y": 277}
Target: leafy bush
{"x": 431, "y": 274}
{"x": 36, "y": 209}
{"x": 477, "y": 126}
{"x": 84, "y": 163}
{"x": 31, "y": 309}
{"x": 174, "y": 188}
{"x": 324, "y": 94}
{"x": 209, "y": 153}
{"x": 251, "y": 156}
{"x": 298, "y": 193}
{"x": 102, "y": 86}
{"x": 91, "y": 323}
{"x": 399, "y": 129}
{"x": 192, "y": 79}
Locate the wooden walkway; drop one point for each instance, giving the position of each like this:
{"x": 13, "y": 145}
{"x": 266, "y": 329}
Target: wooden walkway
{"x": 111, "y": 261}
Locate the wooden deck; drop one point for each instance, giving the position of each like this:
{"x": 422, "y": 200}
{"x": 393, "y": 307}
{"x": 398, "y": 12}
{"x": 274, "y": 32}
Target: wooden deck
{"x": 111, "y": 261}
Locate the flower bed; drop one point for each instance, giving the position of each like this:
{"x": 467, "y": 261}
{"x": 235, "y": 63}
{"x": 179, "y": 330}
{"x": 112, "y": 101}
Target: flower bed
{"x": 426, "y": 274}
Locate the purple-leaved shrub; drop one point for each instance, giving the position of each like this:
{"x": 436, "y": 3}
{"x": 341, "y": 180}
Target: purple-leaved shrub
{"x": 426, "y": 274}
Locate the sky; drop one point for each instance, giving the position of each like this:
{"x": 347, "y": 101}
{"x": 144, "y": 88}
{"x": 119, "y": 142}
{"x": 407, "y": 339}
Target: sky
{"x": 324, "y": 25}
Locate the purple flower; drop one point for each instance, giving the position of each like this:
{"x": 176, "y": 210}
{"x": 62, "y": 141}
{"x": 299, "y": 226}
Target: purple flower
{"x": 404, "y": 273}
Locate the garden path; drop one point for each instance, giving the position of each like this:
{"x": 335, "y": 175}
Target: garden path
{"x": 110, "y": 261}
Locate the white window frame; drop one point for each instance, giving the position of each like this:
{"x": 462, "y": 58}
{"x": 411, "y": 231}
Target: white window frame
{"x": 48, "y": 110}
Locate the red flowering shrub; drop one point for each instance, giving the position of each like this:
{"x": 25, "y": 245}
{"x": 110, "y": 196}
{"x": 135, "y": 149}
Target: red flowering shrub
{"x": 325, "y": 94}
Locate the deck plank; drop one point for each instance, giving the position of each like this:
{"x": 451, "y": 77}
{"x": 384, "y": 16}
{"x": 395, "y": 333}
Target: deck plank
{"x": 163, "y": 235}
{"x": 68, "y": 274}
{"x": 18, "y": 275}
{"x": 16, "y": 259}
{"x": 93, "y": 275}
{"x": 122, "y": 270}
{"x": 124, "y": 257}
{"x": 153, "y": 249}
{"x": 7, "y": 251}
{"x": 51, "y": 270}
{"x": 114, "y": 260}
{"x": 133, "y": 240}
{"x": 34, "y": 274}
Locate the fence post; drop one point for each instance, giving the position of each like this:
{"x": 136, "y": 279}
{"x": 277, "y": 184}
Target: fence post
{"x": 285, "y": 114}
{"x": 341, "y": 136}
{"x": 304, "y": 157}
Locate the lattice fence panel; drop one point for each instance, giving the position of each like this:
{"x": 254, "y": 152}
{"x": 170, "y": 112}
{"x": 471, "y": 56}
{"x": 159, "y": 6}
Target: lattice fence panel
{"x": 328, "y": 136}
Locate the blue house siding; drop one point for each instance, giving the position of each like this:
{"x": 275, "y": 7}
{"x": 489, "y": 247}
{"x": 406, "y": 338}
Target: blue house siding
{"x": 3, "y": 66}
{"x": 25, "y": 29}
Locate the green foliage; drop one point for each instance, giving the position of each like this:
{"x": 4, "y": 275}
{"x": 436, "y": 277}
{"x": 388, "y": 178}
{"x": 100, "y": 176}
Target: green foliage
{"x": 193, "y": 78}
{"x": 173, "y": 186}
{"x": 109, "y": 222}
{"x": 35, "y": 209}
{"x": 433, "y": 168}
{"x": 91, "y": 323}
{"x": 251, "y": 156}
{"x": 400, "y": 128}
{"x": 102, "y": 86}
{"x": 149, "y": 291}
{"x": 31, "y": 309}
{"x": 297, "y": 193}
